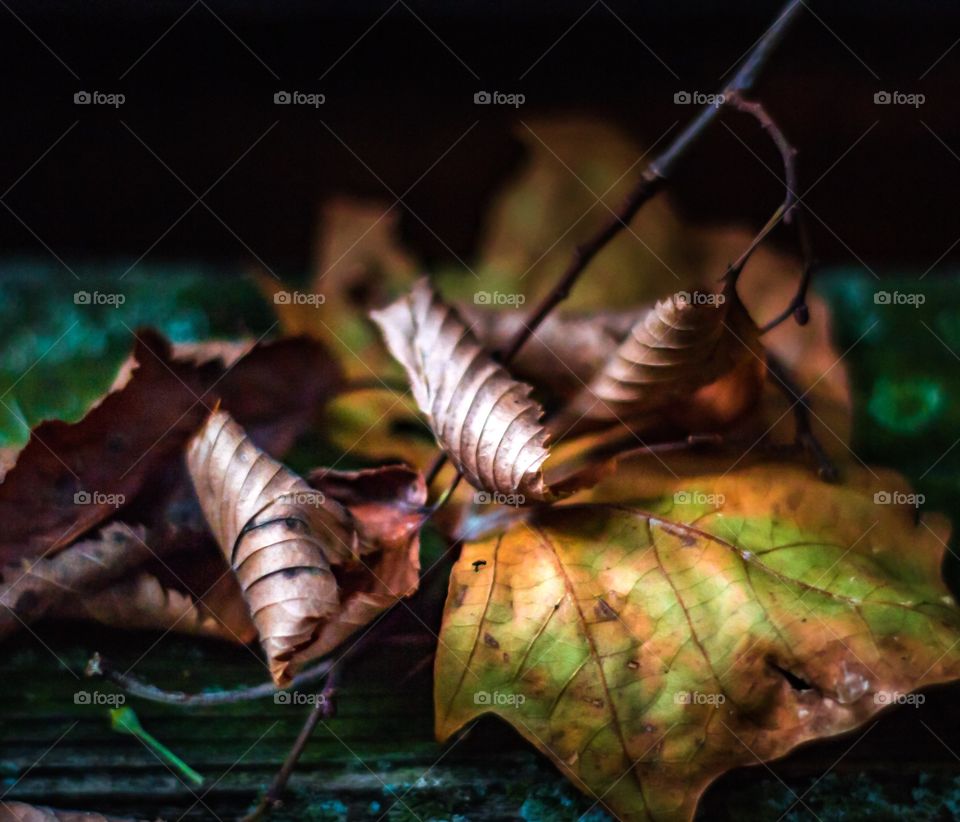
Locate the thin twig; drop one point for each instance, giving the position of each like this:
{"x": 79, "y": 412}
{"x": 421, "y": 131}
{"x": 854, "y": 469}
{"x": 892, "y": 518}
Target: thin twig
{"x": 100, "y": 667}
{"x": 797, "y": 307}
{"x": 791, "y": 211}
{"x": 435, "y": 468}
{"x": 441, "y": 500}
{"x": 324, "y": 708}
{"x": 649, "y": 184}
{"x": 652, "y": 179}
{"x": 805, "y": 439}
{"x": 787, "y": 152}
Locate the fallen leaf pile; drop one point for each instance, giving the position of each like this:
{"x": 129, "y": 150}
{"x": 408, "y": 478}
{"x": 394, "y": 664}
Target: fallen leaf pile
{"x": 653, "y": 585}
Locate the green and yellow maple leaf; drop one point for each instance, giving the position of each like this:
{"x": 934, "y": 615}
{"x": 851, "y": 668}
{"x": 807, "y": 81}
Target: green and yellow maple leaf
{"x": 648, "y": 648}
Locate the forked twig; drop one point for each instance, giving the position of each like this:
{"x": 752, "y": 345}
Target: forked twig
{"x": 650, "y": 183}
{"x": 653, "y": 178}
{"x": 790, "y": 211}
{"x": 324, "y": 708}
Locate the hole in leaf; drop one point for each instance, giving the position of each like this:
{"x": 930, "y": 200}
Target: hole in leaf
{"x": 798, "y": 683}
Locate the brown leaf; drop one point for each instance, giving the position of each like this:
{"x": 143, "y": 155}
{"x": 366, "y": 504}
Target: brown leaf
{"x": 279, "y": 535}
{"x": 482, "y": 418}
{"x": 71, "y": 477}
{"x": 47, "y": 499}
{"x": 12, "y": 811}
{"x": 32, "y": 588}
{"x": 684, "y": 343}
{"x": 142, "y": 602}
{"x": 315, "y": 561}
{"x": 387, "y": 507}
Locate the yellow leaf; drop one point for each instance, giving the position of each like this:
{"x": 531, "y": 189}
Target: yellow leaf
{"x": 648, "y": 648}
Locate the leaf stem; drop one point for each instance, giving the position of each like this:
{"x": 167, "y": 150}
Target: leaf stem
{"x": 124, "y": 720}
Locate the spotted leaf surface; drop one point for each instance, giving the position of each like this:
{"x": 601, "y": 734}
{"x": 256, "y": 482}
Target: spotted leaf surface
{"x": 648, "y": 648}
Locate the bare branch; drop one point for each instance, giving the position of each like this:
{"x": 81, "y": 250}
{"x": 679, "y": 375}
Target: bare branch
{"x": 790, "y": 211}
{"x": 99, "y": 667}
{"x": 653, "y": 178}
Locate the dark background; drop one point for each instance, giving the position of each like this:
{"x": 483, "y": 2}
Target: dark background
{"x": 199, "y": 81}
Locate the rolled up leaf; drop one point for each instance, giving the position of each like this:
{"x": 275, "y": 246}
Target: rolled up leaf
{"x": 279, "y": 535}
{"x": 681, "y": 344}
{"x": 483, "y": 419}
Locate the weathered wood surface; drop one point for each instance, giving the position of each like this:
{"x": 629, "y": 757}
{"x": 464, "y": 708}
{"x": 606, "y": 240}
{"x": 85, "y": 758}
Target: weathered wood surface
{"x": 377, "y": 758}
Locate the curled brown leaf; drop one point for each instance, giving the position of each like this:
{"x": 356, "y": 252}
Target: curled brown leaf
{"x": 483, "y": 419}
{"x": 682, "y": 344}
{"x": 279, "y": 535}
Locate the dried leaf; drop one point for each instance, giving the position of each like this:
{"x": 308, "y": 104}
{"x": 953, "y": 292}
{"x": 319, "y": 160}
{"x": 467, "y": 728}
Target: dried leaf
{"x": 564, "y": 353}
{"x": 71, "y": 477}
{"x": 32, "y": 588}
{"x": 47, "y": 499}
{"x": 279, "y": 535}
{"x": 684, "y": 343}
{"x": 387, "y": 507}
{"x": 12, "y": 811}
{"x": 482, "y": 418}
{"x": 143, "y": 603}
{"x": 648, "y": 649}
